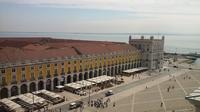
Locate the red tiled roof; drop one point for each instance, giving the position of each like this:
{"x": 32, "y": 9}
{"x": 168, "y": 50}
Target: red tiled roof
{"x": 21, "y": 49}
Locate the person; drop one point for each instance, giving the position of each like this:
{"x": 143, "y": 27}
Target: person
{"x": 161, "y": 104}
{"x": 113, "y": 104}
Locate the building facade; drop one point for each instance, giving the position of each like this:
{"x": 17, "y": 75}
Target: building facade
{"x": 44, "y": 63}
{"x": 152, "y": 51}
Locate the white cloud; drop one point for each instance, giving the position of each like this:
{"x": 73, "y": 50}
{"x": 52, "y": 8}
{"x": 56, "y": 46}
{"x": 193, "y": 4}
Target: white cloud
{"x": 145, "y": 6}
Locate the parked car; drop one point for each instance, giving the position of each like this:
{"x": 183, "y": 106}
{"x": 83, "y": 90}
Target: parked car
{"x": 109, "y": 93}
{"x": 75, "y": 105}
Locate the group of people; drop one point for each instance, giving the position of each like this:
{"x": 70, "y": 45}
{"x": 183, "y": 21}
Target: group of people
{"x": 100, "y": 103}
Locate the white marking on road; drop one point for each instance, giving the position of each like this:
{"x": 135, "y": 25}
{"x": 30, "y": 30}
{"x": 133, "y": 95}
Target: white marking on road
{"x": 133, "y": 102}
{"x": 162, "y": 99}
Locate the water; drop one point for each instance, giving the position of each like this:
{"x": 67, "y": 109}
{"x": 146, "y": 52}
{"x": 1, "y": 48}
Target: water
{"x": 197, "y": 62}
{"x": 173, "y": 43}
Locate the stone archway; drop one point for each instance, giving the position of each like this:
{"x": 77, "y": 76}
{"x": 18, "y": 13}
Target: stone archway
{"x": 112, "y": 71}
{"x": 108, "y": 72}
{"x": 104, "y": 71}
{"x": 74, "y": 78}
{"x": 129, "y": 66}
{"x": 85, "y": 76}
{"x": 116, "y": 70}
{"x": 32, "y": 87}
{"x": 62, "y": 81}
{"x": 123, "y": 67}
{"x": 95, "y": 73}
{"x": 4, "y": 93}
{"x": 55, "y": 82}
{"x": 40, "y": 85}
{"x": 126, "y": 67}
{"x": 91, "y": 74}
{"x": 69, "y": 79}
{"x": 135, "y": 66}
{"x": 80, "y": 77}
{"x": 24, "y": 89}
{"x": 14, "y": 91}
{"x": 100, "y": 72}
{"x": 119, "y": 69}
{"x": 48, "y": 84}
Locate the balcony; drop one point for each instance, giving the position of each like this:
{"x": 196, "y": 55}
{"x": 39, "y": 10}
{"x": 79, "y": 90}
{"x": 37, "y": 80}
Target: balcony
{"x": 14, "y": 82}
{"x": 55, "y": 74}
{"x": 48, "y": 76}
{"x": 40, "y": 77}
{"x": 23, "y": 80}
{"x": 32, "y": 78}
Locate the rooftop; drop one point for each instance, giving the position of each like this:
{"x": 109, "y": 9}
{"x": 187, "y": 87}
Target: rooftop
{"x": 14, "y": 50}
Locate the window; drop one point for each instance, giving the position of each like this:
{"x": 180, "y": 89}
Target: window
{"x": 3, "y": 71}
{"x": 48, "y": 65}
{"x": 32, "y": 67}
{"x": 13, "y": 78}
{"x": 32, "y": 75}
{"x": 55, "y": 64}
{"x": 13, "y": 69}
{"x": 23, "y": 68}
{"x": 23, "y": 77}
{"x": 69, "y": 63}
{"x": 56, "y": 71}
{"x": 62, "y": 64}
{"x": 40, "y": 66}
{"x": 74, "y": 62}
{"x": 63, "y": 70}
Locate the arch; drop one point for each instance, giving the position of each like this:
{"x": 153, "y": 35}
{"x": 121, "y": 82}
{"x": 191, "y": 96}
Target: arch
{"x": 91, "y": 74}
{"x": 62, "y": 81}
{"x": 32, "y": 87}
{"x": 55, "y": 82}
{"x": 126, "y": 67}
{"x": 100, "y": 72}
{"x": 132, "y": 65}
{"x": 95, "y": 73}
{"x": 112, "y": 71}
{"x": 40, "y": 85}
{"x": 129, "y": 66}
{"x": 69, "y": 79}
{"x": 80, "y": 77}
{"x": 85, "y": 76}
{"x": 119, "y": 69}
{"x": 108, "y": 72}
{"x": 116, "y": 70}
{"x": 74, "y": 78}
{"x": 123, "y": 67}
{"x": 135, "y": 65}
{"x": 14, "y": 91}
{"x": 4, "y": 93}
{"x": 48, "y": 84}
{"x": 24, "y": 88}
{"x": 104, "y": 71}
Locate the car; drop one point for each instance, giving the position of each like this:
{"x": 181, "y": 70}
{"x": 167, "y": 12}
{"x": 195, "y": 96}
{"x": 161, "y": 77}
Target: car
{"x": 190, "y": 68}
{"x": 175, "y": 66}
{"x": 75, "y": 105}
{"x": 109, "y": 93}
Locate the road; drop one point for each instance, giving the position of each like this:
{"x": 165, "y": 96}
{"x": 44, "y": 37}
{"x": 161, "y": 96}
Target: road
{"x": 120, "y": 89}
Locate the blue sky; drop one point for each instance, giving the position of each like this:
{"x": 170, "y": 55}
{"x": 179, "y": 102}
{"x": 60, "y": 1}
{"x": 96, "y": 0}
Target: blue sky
{"x": 100, "y": 16}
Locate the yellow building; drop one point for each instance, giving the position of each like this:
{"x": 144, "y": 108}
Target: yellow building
{"x": 28, "y": 64}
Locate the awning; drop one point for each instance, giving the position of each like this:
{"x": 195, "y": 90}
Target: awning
{"x": 60, "y": 87}
{"x": 74, "y": 86}
{"x": 101, "y": 79}
{"x": 12, "y": 105}
{"x": 135, "y": 70}
{"x": 85, "y": 83}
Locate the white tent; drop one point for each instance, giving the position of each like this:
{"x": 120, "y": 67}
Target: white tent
{"x": 135, "y": 70}
{"x": 101, "y": 79}
{"x": 85, "y": 83}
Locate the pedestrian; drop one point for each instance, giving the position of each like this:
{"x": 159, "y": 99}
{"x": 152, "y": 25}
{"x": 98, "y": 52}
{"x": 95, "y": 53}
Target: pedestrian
{"x": 113, "y": 104}
{"x": 161, "y": 104}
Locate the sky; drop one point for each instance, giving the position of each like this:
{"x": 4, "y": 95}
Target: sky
{"x": 100, "y": 16}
